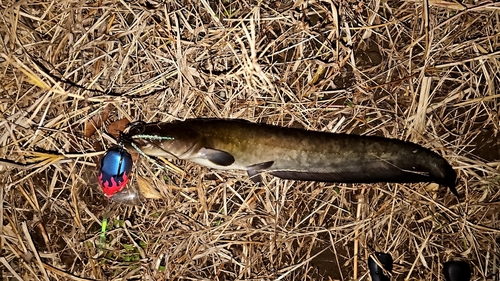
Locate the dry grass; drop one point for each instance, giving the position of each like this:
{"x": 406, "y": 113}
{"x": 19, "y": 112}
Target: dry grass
{"x": 426, "y": 71}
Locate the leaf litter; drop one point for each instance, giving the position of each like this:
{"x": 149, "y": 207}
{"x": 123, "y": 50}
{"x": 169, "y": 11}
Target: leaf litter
{"x": 425, "y": 71}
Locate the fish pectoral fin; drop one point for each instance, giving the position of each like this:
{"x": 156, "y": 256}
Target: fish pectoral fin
{"x": 255, "y": 170}
{"x": 218, "y": 157}
{"x": 254, "y": 175}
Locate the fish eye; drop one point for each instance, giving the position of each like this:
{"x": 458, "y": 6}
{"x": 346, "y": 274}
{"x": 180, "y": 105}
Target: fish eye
{"x": 135, "y": 128}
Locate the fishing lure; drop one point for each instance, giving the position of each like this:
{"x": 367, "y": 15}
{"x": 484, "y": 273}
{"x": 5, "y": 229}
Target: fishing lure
{"x": 376, "y": 272}
{"x": 114, "y": 172}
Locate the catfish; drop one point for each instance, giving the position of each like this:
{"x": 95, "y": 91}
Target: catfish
{"x": 290, "y": 153}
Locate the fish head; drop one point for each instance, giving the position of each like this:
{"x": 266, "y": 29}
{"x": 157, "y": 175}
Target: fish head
{"x": 162, "y": 139}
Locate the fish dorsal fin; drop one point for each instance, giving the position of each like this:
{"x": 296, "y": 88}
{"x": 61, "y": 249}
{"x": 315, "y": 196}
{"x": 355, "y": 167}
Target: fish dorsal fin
{"x": 255, "y": 170}
{"x": 218, "y": 157}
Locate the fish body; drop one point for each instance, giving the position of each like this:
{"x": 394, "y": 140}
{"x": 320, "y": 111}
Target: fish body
{"x": 291, "y": 153}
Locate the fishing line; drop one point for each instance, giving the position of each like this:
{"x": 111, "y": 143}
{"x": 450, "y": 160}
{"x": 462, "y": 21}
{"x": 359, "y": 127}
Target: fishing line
{"x": 151, "y": 137}
{"x": 145, "y": 155}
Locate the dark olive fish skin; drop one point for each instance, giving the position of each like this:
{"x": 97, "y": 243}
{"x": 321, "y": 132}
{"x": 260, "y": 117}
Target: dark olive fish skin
{"x": 290, "y": 153}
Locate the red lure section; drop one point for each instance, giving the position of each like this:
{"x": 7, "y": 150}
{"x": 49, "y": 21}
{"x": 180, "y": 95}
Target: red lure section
{"x": 114, "y": 173}
{"x": 112, "y": 184}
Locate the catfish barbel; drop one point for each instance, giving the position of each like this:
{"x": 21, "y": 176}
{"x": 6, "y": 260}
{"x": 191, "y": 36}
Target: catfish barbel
{"x": 290, "y": 153}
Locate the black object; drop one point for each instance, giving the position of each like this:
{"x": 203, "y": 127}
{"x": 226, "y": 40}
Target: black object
{"x": 376, "y": 271}
{"x": 456, "y": 271}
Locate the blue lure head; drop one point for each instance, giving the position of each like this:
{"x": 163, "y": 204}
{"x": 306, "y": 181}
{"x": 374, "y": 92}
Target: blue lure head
{"x": 114, "y": 172}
